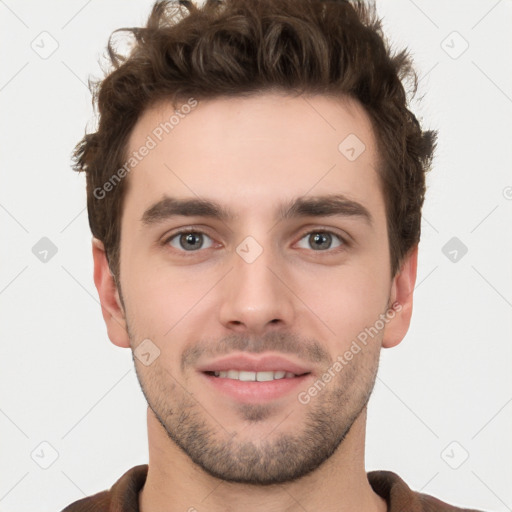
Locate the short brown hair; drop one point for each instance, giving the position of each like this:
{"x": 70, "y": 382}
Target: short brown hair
{"x": 239, "y": 47}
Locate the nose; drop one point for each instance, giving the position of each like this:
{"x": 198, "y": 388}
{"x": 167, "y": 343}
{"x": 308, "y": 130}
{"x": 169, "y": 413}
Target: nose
{"x": 257, "y": 296}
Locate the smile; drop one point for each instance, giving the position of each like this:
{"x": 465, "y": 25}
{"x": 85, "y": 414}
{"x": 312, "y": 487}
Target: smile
{"x": 248, "y": 376}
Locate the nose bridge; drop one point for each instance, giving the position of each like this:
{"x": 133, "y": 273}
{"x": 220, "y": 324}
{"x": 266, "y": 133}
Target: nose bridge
{"x": 254, "y": 297}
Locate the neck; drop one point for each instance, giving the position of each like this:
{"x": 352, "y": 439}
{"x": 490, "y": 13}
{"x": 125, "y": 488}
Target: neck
{"x": 175, "y": 483}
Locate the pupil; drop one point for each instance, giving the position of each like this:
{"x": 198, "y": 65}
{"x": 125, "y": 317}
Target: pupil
{"x": 192, "y": 239}
{"x": 321, "y": 239}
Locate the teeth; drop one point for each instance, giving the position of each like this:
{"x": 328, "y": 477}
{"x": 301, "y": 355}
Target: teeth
{"x": 246, "y": 376}
{"x": 265, "y": 376}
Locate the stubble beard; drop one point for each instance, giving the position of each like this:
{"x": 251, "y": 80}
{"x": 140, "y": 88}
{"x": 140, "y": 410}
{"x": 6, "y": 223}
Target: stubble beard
{"x": 282, "y": 456}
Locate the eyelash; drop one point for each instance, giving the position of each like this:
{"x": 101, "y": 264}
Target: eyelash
{"x": 343, "y": 240}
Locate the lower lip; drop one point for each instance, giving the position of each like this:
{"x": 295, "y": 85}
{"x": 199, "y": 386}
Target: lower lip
{"x": 256, "y": 392}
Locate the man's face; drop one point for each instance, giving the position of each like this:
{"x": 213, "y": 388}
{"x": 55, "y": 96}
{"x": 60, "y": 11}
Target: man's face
{"x": 266, "y": 290}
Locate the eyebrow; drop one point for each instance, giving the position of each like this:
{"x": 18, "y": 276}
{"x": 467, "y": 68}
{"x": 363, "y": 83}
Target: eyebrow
{"x": 318, "y": 206}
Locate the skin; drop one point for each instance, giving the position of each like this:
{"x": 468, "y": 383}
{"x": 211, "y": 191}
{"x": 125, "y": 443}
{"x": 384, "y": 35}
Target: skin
{"x": 208, "y": 450}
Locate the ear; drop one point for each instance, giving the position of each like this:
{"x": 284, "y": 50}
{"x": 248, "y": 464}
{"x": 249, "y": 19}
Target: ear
{"x": 401, "y": 297}
{"x": 111, "y": 307}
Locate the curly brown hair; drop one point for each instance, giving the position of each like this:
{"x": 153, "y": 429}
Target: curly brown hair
{"x": 241, "y": 47}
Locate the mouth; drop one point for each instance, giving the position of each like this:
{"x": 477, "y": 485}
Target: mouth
{"x": 248, "y": 376}
{"x": 254, "y": 379}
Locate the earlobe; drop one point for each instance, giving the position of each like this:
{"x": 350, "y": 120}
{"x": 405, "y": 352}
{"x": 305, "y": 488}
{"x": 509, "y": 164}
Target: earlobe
{"x": 111, "y": 307}
{"x": 402, "y": 298}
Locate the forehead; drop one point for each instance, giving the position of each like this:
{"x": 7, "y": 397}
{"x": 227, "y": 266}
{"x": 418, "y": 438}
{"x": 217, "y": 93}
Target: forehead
{"x": 257, "y": 150}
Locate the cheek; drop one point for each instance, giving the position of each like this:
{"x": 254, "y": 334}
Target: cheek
{"x": 349, "y": 301}
{"x": 161, "y": 301}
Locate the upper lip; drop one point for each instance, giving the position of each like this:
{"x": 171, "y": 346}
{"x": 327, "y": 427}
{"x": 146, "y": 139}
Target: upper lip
{"x": 252, "y": 363}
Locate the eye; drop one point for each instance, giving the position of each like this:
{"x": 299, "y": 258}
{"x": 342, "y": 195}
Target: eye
{"x": 321, "y": 240}
{"x": 189, "y": 241}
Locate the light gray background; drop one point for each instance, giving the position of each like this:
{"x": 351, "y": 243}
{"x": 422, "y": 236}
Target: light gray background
{"x": 444, "y": 393}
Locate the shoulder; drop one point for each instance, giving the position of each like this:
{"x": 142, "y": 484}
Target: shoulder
{"x": 98, "y": 502}
{"x": 124, "y": 494}
{"x": 400, "y": 498}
